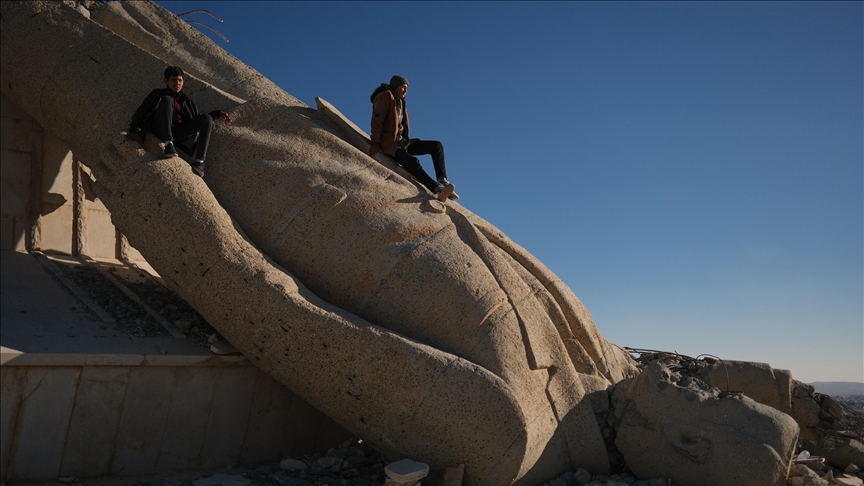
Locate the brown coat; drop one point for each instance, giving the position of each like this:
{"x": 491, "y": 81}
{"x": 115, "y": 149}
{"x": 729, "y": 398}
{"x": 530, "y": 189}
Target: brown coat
{"x": 385, "y": 134}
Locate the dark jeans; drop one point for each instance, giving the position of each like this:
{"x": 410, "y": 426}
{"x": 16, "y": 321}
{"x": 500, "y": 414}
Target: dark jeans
{"x": 183, "y": 135}
{"x": 405, "y": 157}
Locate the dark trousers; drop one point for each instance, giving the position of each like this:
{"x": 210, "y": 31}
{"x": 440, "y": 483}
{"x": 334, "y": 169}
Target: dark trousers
{"x": 183, "y": 135}
{"x": 405, "y": 156}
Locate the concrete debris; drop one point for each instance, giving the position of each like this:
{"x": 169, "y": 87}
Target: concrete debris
{"x": 796, "y": 470}
{"x": 847, "y": 480}
{"x": 583, "y": 478}
{"x": 223, "y": 347}
{"x": 405, "y": 472}
{"x": 831, "y": 428}
{"x": 807, "y": 481}
{"x": 222, "y": 480}
{"x": 850, "y": 452}
{"x": 289, "y": 464}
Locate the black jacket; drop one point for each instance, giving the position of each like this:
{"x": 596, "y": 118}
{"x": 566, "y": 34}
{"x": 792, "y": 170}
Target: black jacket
{"x": 143, "y": 116}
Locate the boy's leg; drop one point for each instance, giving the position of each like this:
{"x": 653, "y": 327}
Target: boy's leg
{"x": 201, "y": 125}
{"x": 433, "y": 148}
{"x": 412, "y": 165}
{"x": 161, "y": 125}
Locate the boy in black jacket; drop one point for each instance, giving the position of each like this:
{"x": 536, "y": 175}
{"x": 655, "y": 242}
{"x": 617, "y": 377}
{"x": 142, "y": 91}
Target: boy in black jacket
{"x": 170, "y": 114}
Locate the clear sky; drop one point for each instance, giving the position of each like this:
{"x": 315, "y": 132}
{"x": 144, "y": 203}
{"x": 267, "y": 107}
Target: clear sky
{"x": 693, "y": 171}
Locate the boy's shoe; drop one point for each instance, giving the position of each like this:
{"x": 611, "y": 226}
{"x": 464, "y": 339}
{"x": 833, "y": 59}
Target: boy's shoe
{"x": 170, "y": 151}
{"x": 442, "y": 181}
{"x": 443, "y": 191}
{"x": 198, "y": 168}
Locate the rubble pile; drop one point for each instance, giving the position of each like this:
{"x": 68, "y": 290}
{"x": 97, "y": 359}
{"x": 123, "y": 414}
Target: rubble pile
{"x": 131, "y": 318}
{"x": 829, "y": 449}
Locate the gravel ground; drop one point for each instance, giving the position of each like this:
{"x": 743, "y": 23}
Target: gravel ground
{"x": 352, "y": 463}
{"x": 131, "y": 317}
{"x": 175, "y": 310}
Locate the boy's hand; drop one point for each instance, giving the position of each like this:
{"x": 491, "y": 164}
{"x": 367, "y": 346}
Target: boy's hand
{"x": 225, "y": 117}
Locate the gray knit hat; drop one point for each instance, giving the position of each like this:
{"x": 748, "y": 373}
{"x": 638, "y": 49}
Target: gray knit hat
{"x": 397, "y": 81}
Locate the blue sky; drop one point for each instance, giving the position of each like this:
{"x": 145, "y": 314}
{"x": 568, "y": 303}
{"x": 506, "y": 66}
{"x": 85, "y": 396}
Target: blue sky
{"x": 692, "y": 170}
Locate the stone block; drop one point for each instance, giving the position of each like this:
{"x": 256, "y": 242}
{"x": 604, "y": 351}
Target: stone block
{"x": 186, "y": 424}
{"x": 304, "y": 423}
{"x": 7, "y": 232}
{"x": 847, "y": 480}
{"x": 101, "y": 235}
{"x": 8, "y": 109}
{"x": 406, "y": 471}
{"x": 756, "y": 380}
{"x": 229, "y": 414}
{"x": 268, "y": 431}
{"x": 328, "y": 433}
{"x": 16, "y": 134}
{"x": 43, "y": 419}
{"x": 15, "y": 181}
{"x": 142, "y": 421}
{"x": 13, "y": 380}
{"x": 102, "y": 350}
{"x": 57, "y": 166}
{"x": 95, "y": 419}
{"x": 852, "y": 452}
{"x": 57, "y": 228}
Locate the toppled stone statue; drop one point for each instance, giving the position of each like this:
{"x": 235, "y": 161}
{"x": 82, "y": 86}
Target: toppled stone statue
{"x": 426, "y": 332}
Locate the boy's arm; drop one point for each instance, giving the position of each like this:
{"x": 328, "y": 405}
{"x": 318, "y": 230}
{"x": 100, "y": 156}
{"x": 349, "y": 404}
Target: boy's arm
{"x": 379, "y": 114}
{"x": 149, "y": 103}
{"x": 215, "y": 114}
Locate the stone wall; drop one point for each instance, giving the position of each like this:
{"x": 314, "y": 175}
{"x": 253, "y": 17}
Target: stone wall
{"x": 89, "y": 421}
{"x": 47, "y": 202}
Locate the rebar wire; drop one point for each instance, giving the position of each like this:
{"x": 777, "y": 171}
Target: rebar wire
{"x": 211, "y": 28}
{"x": 201, "y": 10}
{"x": 643, "y": 351}
{"x": 683, "y": 357}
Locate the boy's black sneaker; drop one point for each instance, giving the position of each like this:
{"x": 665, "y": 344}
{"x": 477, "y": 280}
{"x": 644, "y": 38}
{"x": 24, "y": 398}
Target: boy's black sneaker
{"x": 442, "y": 181}
{"x": 170, "y": 151}
{"x": 198, "y": 168}
{"x": 443, "y": 191}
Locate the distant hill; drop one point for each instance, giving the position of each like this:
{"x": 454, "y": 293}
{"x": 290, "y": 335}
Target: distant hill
{"x": 838, "y": 388}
